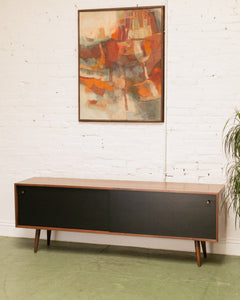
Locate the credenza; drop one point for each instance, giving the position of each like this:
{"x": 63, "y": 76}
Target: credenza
{"x": 158, "y": 209}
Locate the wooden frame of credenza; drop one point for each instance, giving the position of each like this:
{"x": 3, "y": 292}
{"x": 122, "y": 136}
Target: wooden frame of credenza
{"x": 212, "y": 189}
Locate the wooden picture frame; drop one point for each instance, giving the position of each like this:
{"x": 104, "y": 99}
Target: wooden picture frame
{"x": 121, "y": 64}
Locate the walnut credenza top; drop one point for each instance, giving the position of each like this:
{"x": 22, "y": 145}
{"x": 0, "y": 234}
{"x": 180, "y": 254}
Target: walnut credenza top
{"x": 151, "y": 186}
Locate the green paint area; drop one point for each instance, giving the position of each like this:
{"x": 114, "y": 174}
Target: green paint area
{"x": 82, "y": 271}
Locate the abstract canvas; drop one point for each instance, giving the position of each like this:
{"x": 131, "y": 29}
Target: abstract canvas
{"x": 121, "y": 64}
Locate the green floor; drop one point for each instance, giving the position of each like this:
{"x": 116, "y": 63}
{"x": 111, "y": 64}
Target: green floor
{"x": 81, "y": 271}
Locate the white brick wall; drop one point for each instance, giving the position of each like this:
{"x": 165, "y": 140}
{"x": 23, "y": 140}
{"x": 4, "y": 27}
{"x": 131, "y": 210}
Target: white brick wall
{"x": 41, "y": 136}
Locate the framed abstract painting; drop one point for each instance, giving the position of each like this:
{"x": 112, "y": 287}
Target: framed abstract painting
{"x": 121, "y": 64}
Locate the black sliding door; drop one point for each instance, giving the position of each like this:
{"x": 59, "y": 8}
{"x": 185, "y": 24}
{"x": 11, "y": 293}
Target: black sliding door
{"x": 63, "y": 207}
{"x": 164, "y": 214}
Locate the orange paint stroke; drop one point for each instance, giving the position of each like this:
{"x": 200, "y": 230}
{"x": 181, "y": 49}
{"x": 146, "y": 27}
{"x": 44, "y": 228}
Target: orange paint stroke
{"x": 93, "y": 82}
{"x": 102, "y": 59}
{"x": 115, "y": 35}
{"x": 95, "y": 68}
{"x": 147, "y": 46}
{"x": 144, "y": 92}
{"x": 156, "y": 79}
{"x": 140, "y": 83}
{"x": 94, "y": 102}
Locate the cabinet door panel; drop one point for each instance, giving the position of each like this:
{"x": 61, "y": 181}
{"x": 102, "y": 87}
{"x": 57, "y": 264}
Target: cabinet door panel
{"x": 163, "y": 214}
{"x": 63, "y": 207}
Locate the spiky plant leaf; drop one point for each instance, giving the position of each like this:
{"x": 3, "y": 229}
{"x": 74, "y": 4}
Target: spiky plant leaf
{"x": 231, "y": 143}
{"x": 231, "y": 140}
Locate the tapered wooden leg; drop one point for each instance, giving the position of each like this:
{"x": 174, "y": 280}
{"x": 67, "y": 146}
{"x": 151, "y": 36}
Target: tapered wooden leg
{"x": 48, "y": 237}
{"x": 204, "y": 249}
{"x": 37, "y": 236}
{"x": 197, "y": 248}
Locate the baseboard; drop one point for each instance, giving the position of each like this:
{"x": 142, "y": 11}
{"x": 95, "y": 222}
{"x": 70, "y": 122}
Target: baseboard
{"x": 229, "y": 246}
{"x": 9, "y": 229}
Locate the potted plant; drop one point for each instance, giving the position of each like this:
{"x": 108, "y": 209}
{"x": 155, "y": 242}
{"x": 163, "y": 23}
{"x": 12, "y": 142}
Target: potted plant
{"x": 231, "y": 143}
